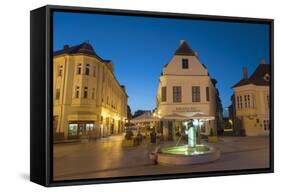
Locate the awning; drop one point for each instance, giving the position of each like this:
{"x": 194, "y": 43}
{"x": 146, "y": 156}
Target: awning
{"x": 175, "y": 116}
{"x": 180, "y": 117}
{"x": 201, "y": 116}
{"x": 144, "y": 118}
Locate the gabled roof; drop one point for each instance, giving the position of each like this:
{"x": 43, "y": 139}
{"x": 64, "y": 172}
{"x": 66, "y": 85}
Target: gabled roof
{"x": 257, "y": 78}
{"x": 184, "y": 49}
{"x": 83, "y": 48}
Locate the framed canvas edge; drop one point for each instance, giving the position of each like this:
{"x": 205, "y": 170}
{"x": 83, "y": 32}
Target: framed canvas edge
{"x": 49, "y": 182}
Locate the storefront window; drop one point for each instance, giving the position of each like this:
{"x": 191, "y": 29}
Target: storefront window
{"x": 72, "y": 129}
{"x": 89, "y": 126}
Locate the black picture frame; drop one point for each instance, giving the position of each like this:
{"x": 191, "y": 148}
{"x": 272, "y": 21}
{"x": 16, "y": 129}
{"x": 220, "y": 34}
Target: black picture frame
{"x": 41, "y": 50}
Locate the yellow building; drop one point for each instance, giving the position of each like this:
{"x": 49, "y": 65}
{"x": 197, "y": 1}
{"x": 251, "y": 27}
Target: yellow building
{"x": 88, "y": 101}
{"x": 250, "y": 102}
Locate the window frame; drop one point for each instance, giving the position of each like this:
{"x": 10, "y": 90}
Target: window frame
{"x": 87, "y": 69}
{"x": 164, "y": 94}
{"x": 77, "y": 92}
{"x": 85, "y": 93}
{"x": 196, "y": 95}
{"x": 58, "y": 94}
{"x": 177, "y": 94}
{"x": 60, "y": 70}
{"x": 185, "y": 63}
{"x": 207, "y": 93}
{"x": 79, "y": 69}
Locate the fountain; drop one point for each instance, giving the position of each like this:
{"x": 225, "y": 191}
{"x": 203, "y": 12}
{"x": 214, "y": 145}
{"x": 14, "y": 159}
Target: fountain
{"x": 194, "y": 152}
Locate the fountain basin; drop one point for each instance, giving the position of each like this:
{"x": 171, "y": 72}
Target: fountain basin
{"x": 186, "y": 155}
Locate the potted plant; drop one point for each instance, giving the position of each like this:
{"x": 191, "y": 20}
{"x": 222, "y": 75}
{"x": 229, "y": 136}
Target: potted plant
{"x": 212, "y": 138}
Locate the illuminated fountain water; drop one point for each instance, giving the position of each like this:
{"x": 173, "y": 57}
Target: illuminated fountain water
{"x": 194, "y": 152}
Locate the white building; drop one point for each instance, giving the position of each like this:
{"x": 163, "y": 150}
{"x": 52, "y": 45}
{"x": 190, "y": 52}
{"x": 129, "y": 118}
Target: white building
{"x": 185, "y": 88}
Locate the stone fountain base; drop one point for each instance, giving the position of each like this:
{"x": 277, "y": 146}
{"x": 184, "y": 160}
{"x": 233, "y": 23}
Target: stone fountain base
{"x": 176, "y": 156}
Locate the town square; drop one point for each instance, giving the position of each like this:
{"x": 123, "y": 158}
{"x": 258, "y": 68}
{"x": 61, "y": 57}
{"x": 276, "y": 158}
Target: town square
{"x": 179, "y": 102}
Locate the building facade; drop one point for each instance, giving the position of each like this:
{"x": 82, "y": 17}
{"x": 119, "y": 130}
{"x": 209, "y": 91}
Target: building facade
{"x": 186, "y": 88}
{"x": 251, "y": 102}
{"x": 88, "y": 101}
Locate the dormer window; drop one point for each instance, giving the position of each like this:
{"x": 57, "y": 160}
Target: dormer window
{"x": 266, "y": 77}
{"x": 185, "y": 64}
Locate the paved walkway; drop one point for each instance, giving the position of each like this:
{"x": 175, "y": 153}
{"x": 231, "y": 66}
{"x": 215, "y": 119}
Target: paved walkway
{"x": 107, "y": 158}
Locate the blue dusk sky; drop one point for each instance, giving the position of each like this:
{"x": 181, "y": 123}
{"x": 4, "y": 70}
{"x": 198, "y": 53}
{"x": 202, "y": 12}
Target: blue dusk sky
{"x": 139, "y": 47}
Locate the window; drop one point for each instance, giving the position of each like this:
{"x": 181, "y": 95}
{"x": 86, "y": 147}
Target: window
{"x": 266, "y": 125}
{"x": 72, "y": 129}
{"x": 164, "y": 94}
{"x": 247, "y": 103}
{"x": 239, "y": 102}
{"x": 93, "y": 93}
{"x": 103, "y": 75}
{"x": 185, "y": 63}
{"x": 87, "y": 72}
{"x": 266, "y": 77}
{"x": 94, "y": 71}
{"x": 57, "y": 94}
{"x": 85, "y": 92}
{"x": 207, "y": 94}
{"x": 77, "y": 92}
{"x": 195, "y": 94}
{"x": 245, "y": 100}
{"x": 79, "y": 69}
{"x": 89, "y": 127}
{"x": 268, "y": 100}
{"x": 176, "y": 94}
{"x": 60, "y": 71}
{"x": 253, "y": 101}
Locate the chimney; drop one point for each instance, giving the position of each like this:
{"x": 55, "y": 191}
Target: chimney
{"x": 262, "y": 61}
{"x": 182, "y": 41}
{"x": 245, "y": 72}
{"x": 65, "y": 47}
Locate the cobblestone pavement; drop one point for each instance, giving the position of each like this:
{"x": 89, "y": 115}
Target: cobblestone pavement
{"x": 107, "y": 158}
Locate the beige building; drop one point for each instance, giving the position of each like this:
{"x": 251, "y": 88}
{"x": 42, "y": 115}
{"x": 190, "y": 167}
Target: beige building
{"x": 185, "y": 88}
{"x": 88, "y": 101}
{"x": 251, "y": 102}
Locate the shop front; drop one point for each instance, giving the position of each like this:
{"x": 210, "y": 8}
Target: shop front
{"x": 82, "y": 129}
{"x": 82, "y": 126}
